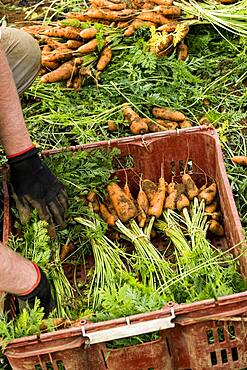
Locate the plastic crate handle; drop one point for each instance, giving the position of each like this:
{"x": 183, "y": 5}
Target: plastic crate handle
{"x": 129, "y": 330}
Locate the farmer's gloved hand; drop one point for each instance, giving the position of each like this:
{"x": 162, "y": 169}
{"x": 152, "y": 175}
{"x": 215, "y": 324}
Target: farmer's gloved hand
{"x": 35, "y": 185}
{"x": 41, "y": 290}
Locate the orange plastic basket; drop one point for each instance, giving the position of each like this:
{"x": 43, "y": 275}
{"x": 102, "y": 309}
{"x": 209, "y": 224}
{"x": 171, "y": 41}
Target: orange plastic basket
{"x": 204, "y": 335}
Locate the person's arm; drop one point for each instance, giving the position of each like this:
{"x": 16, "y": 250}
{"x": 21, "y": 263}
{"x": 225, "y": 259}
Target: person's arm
{"x": 24, "y": 279}
{"x": 14, "y": 135}
{"x": 32, "y": 182}
{"x": 17, "y": 274}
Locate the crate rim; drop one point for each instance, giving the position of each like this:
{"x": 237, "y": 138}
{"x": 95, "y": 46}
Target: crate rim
{"x": 210, "y": 130}
{"x": 200, "y": 312}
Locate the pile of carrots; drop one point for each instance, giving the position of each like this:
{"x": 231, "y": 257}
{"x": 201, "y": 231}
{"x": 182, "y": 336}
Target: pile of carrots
{"x": 65, "y": 46}
{"x": 62, "y": 53}
{"x": 152, "y": 199}
{"x": 131, "y": 15}
{"x": 164, "y": 119}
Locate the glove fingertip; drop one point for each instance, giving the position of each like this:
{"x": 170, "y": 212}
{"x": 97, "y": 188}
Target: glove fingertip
{"x": 51, "y": 231}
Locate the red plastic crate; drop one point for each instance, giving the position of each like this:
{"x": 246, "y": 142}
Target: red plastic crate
{"x": 209, "y": 334}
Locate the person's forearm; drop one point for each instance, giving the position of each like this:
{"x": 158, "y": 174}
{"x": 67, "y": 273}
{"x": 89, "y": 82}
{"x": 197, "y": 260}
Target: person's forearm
{"x": 14, "y": 135}
{"x": 17, "y": 274}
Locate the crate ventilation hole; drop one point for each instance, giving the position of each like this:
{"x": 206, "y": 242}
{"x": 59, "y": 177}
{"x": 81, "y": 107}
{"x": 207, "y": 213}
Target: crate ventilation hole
{"x": 48, "y": 366}
{"x": 182, "y": 165}
{"x": 220, "y": 338}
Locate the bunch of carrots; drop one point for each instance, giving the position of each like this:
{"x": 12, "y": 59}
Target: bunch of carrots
{"x": 152, "y": 199}
{"x": 63, "y": 50}
{"x": 160, "y": 15}
{"x": 66, "y": 45}
{"x": 164, "y": 119}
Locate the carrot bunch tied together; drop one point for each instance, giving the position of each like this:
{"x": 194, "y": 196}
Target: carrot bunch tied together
{"x": 152, "y": 198}
{"x": 164, "y": 119}
{"x": 134, "y": 215}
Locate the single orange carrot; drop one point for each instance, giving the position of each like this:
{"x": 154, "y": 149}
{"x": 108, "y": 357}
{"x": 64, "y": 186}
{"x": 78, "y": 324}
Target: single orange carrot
{"x": 153, "y": 17}
{"x": 190, "y": 186}
{"x": 89, "y": 47}
{"x": 168, "y": 27}
{"x": 139, "y": 126}
{"x": 208, "y": 194}
{"x": 170, "y": 11}
{"x": 65, "y": 250}
{"x": 167, "y": 125}
{"x": 157, "y": 201}
{"x": 63, "y": 32}
{"x": 62, "y": 73}
{"x": 73, "y": 44}
{"x": 142, "y": 199}
{"x": 105, "y": 58}
{"x": 241, "y": 159}
{"x": 107, "y": 216}
{"x": 150, "y": 188}
{"x": 123, "y": 205}
{"x": 185, "y": 124}
{"x": 169, "y": 114}
{"x": 182, "y": 202}
{"x": 91, "y": 196}
{"x": 216, "y": 228}
{"x": 127, "y": 191}
{"x": 143, "y": 205}
{"x": 112, "y": 125}
{"x": 110, "y": 15}
{"x": 163, "y": 2}
{"x": 89, "y": 33}
{"x": 49, "y": 65}
{"x": 76, "y": 15}
{"x": 171, "y": 200}
{"x": 135, "y": 25}
{"x": 182, "y": 51}
{"x": 211, "y": 208}
{"x": 58, "y": 55}
{"x": 108, "y": 4}
{"x": 129, "y": 113}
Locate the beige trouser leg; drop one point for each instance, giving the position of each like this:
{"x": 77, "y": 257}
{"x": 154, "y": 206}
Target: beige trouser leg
{"x": 23, "y": 54}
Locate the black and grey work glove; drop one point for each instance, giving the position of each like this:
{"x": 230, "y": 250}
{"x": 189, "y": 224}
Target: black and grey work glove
{"x": 33, "y": 184}
{"x": 41, "y": 292}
